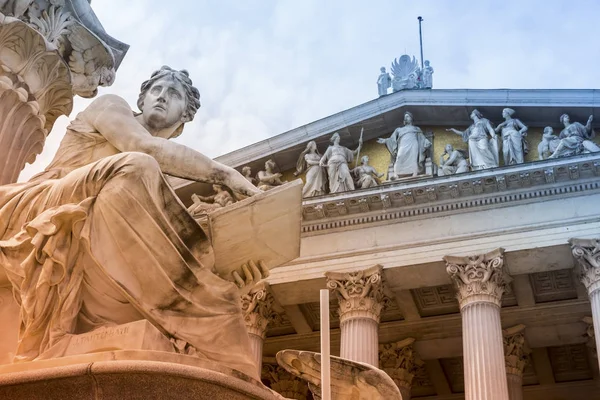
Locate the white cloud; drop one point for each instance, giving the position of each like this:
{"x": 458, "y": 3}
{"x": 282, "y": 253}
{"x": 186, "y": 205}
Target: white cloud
{"x": 264, "y": 67}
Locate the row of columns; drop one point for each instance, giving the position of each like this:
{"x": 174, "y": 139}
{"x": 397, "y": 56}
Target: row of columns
{"x": 494, "y": 359}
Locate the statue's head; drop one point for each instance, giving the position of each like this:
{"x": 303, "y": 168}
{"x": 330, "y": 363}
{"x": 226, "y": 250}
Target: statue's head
{"x": 564, "y": 119}
{"x": 508, "y": 112}
{"x": 382, "y": 69}
{"x": 408, "y": 118}
{"x": 449, "y": 149}
{"x": 476, "y": 114}
{"x": 427, "y": 63}
{"x": 270, "y": 165}
{"x": 548, "y": 130}
{"x": 335, "y": 138}
{"x": 246, "y": 170}
{"x": 311, "y": 146}
{"x": 168, "y": 98}
{"x": 364, "y": 160}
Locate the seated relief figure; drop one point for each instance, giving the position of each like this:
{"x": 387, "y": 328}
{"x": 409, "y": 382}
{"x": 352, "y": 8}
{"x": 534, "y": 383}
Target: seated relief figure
{"x": 514, "y": 144}
{"x": 407, "y": 147}
{"x": 456, "y": 162}
{"x": 575, "y": 138}
{"x": 247, "y": 172}
{"x": 366, "y": 175}
{"x": 268, "y": 178}
{"x": 336, "y": 160}
{"x": 316, "y": 178}
{"x": 548, "y": 144}
{"x": 483, "y": 152}
{"x": 100, "y": 238}
{"x": 205, "y": 204}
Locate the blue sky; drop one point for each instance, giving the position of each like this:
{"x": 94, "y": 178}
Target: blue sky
{"x": 265, "y": 66}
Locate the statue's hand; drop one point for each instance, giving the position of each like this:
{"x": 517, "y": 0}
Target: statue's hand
{"x": 590, "y": 119}
{"x": 252, "y": 274}
{"x": 381, "y": 141}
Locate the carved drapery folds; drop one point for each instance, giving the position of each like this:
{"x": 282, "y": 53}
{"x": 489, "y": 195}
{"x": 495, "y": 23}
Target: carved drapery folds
{"x": 399, "y": 361}
{"x": 478, "y": 278}
{"x": 257, "y": 307}
{"x": 587, "y": 254}
{"x": 361, "y": 294}
{"x": 516, "y": 351}
{"x": 284, "y": 383}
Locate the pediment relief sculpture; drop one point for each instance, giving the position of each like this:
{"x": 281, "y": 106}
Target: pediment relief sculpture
{"x": 483, "y": 151}
{"x": 268, "y": 179}
{"x": 336, "y": 160}
{"x": 575, "y": 138}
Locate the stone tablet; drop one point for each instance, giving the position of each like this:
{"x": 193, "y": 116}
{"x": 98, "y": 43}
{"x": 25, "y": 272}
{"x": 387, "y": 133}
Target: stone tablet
{"x": 262, "y": 227}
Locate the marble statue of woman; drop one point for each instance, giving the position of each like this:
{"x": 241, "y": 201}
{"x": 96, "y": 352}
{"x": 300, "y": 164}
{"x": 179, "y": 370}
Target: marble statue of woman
{"x": 483, "y": 152}
{"x": 316, "y": 178}
{"x": 407, "y": 147}
{"x": 384, "y": 81}
{"x": 575, "y": 138}
{"x": 247, "y": 172}
{"x": 427, "y": 75}
{"x": 514, "y": 147}
{"x": 336, "y": 159}
{"x": 100, "y": 238}
{"x": 456, "y": 162}
{"x": 548, "y": 144}
{"x": 268, "y": 178}
{"x": 366, "y": 175}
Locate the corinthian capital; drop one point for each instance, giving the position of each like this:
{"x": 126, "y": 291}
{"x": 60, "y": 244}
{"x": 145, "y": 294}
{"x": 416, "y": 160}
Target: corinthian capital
{"x": 479, "y": 278}
{"x": 284, "y": 383}
{"x": 516, "y": 351}
{"x": 257, "y": 307}
{"x": 587, "y": 254}
{"x": 399, "y": 362}
{"x": 360, "y": 294}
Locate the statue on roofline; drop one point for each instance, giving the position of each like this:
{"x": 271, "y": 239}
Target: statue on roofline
{"x": 102, "y": 214}
{"x": 575, "y": 138}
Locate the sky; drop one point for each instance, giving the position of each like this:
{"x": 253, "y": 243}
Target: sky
{"x": 264, "y": 67}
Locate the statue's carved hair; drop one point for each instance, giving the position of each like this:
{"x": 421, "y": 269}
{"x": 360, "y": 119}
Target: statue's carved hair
{"x": 477, "y": 113}
{"x": 192, "y": 95}
{"x": 562, "y": 118}
{"x": 509, "y": 111}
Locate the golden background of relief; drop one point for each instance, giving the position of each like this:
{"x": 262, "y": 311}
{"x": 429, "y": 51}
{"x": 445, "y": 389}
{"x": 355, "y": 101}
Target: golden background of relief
{"x": 379, "y": 157}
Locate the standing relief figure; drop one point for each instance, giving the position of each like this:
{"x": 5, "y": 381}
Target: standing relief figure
{"x": 366, "y": 175}
{"x": 427, "y": 76}
{"x": 384, "y": 82}
{"x": 548, "y": 144}
{"x": 575, "y": 138}
{"x": 407, "y": 147}
{"x": 514, "y": 144}
{"x": 336, "y": 159}
{"x": 483, "y": 152}
{"x": 316, "y": 178}
{"x": 456, "y": 162}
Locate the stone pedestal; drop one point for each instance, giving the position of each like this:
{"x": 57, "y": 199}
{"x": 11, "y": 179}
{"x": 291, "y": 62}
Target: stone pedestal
{"x": 587, "y": 254}
{"x": 361, "y": 300}
{"x": 135, "y": 375}
{"x": 480, "y": 282}
{"x": 284, "y": 383}
{"x": 516, "y": 356}
{"x": 258, "y": 313}
{"x": 398, "y": 361}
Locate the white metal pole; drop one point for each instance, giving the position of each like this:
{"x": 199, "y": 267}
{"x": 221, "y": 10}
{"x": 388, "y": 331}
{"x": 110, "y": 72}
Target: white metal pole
{"x": 325, "y": 343}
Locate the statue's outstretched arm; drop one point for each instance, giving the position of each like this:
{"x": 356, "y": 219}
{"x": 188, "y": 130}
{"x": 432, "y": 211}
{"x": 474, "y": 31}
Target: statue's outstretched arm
{"x": 113, "y": 118}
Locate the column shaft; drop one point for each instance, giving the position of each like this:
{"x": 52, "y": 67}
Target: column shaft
{"x": 595, "y": 300}
{"x": 485, "y": 373}
{"x": 515, "y": 386}
{"x": 359, "y": 340}
{"x": 256, "y": 344}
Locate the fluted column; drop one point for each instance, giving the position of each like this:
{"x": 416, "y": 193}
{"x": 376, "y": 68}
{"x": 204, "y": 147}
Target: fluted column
{"x": 480, "y": 282}
{"x": 361, "y": 299}
{"x": 257, "y": 307}
{"x": 516, "y": 356}
{"x": 587, "y": 254}
{"x": 399, "y": 362}
{"x": 284, "y": 383}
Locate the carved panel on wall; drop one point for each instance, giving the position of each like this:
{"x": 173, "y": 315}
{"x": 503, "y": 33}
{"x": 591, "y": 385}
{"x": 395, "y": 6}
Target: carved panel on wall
{"x": 530, "y": 374}
{"x": 312, "y": 313}
{"x": 280, "y": 326}
{"x": 436, "y": 300}
{"x": 421, "y": 384}
{"x": 508, "y": 298}
{"x": 553, "y": 285}
{"x": 570, "y": 363}
{"x": 391, "y": 312}
{"x": 455, "y": 374}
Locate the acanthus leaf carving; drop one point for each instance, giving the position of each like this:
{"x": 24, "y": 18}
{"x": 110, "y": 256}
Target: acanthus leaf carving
{"x": 257, "y": 307}
{"x": 400, "y": 362}
{"x": 587, "y": 254}
{"x": 516, "y": 351}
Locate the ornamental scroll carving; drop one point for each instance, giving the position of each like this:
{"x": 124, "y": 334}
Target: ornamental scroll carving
{"x": 400, "y": 362}
{"x": 516, "y": 351}
{"x": 361, "y": 294}
{"x": 284, "y": 383}
{"x": 587, "y": 254}
{"x": 479, "y": 278}
{"x": 257, "y": 307}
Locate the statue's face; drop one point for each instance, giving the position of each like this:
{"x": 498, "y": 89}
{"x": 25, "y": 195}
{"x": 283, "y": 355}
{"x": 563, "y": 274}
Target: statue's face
{"x": 407, "y": 119}
{"x": 164, "y": 104}
{"x": 566, "y": 120}
{"x": 449, "y": 148}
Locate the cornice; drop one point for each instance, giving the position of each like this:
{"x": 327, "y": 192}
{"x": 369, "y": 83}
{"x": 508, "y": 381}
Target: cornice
{"x": 435, "y": 196}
